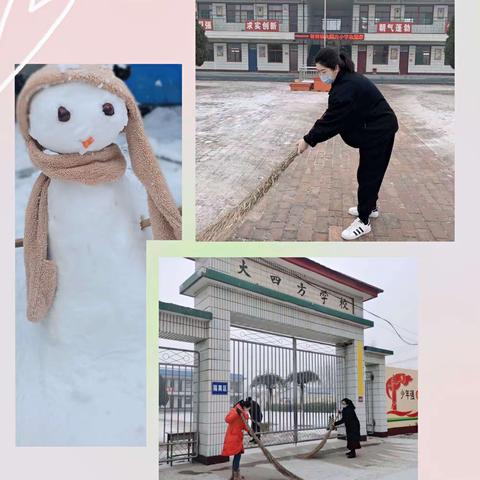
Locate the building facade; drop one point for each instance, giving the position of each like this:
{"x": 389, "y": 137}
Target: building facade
{"x": 287, "y": 332}
{"x": 382, "y": 36}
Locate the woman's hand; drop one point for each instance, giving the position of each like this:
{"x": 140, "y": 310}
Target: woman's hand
{"x": 302, "y": 145}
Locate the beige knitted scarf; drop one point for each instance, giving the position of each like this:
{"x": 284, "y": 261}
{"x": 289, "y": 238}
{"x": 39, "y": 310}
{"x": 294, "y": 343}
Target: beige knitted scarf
{"x": 90, "y": 168}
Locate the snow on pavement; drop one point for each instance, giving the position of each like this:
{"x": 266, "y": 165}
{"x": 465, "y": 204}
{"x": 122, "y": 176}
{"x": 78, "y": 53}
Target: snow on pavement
{"x": 393, "y": 458}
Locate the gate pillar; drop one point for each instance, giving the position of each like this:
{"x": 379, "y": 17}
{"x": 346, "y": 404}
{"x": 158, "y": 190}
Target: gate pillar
{"x": 355, "y": 380}
{"x": 214, "y": 354}
{"x": 375, "y": 363}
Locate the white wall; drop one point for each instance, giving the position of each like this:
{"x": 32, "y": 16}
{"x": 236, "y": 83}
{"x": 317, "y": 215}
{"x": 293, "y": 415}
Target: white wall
{"x": 263, "y": 64}
{"x": 356, "y": 19}
{"x": 302, "y": 55}
{"x": 436, "y": 66}
{"x": 220, "y": 22}
{"x": 393, "y": 66}
{"x": 355, "y": 55}
{"x": 220, "y": 62}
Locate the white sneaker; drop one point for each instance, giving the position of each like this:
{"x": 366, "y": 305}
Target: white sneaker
{"x": 354, "y": 212}
{"x": 356, "y": 230}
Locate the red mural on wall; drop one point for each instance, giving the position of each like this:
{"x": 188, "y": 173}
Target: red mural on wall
{"x": 394, "y": 388}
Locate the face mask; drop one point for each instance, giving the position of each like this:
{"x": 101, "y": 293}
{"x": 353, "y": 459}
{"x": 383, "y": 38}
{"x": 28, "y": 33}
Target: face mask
{"x": 326, "y": 78}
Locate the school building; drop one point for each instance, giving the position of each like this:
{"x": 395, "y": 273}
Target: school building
{"x": 382, "y": 36}
{"x": 287, "y": 332}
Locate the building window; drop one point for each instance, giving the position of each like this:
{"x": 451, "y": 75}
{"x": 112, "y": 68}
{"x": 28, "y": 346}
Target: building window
{"x": 420, "y": 15}
{"x": 275, "y": 53}
{"x": 219, "y": 50}
{"x": 275, "y": 12}
{"x": 380, "y": 54}
{"x": 363, "y": 26}
{"x": 205, "y": 11}
{"x": 238, "y": 12}
{"x": 234, "y": 52}
{"x": 382, "y": 13}
{"x": 210, "y": 55}
{"x": 423, "y": 55}
{"x": 397, "y": 13}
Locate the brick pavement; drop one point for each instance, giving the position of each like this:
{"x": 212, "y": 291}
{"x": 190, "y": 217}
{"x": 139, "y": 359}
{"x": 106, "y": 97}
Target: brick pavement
{"x": 310, "y": 200}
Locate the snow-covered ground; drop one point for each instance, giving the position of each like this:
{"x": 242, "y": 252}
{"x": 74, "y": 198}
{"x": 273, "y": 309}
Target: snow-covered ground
{"x": 392, "y": 458}
{"x": 245, "y": 129}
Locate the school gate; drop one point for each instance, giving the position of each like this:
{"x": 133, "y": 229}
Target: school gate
{"x": 287, "y": 332}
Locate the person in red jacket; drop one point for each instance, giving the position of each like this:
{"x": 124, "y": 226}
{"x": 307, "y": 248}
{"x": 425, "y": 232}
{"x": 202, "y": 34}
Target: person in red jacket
{"x": 233, "y": 442}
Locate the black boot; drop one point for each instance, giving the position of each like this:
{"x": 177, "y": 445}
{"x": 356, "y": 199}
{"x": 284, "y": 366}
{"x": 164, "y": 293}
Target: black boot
{"x": 351, "y": 454}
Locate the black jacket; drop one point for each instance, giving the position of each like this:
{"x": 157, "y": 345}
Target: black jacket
{"x": 352, "y": 425}
{"x": 256, "y": 412}
{"x": 357, "y": 111}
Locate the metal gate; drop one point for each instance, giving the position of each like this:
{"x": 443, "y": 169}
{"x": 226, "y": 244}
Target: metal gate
{"x": 178, "y": 404}
{"x": 298, "y": 384}
{"x": 369, "y": 403}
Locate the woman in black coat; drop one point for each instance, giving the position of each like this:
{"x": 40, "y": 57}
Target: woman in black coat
{"x": 359, "y": 113}
{"x": 352, "y": 426}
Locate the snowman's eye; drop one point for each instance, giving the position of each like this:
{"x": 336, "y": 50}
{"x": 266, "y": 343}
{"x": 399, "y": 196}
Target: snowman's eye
{"x": 108, "y": 109}
{"x": 63, "y": 114}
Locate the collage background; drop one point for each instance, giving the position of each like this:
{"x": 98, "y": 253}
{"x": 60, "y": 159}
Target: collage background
{"x": 449, "y": 310}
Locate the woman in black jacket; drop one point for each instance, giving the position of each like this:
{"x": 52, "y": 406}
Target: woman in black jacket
{"x": 363, "y": 118}
{"x": 352, "y": 426}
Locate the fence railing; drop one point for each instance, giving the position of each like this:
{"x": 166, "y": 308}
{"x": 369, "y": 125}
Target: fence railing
{"x": 307, "y": 73}
{"x": 297, "y": 390}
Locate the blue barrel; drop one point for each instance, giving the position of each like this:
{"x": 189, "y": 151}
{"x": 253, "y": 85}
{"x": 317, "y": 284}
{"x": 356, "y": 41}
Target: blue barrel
{"x": 156, "y": 84}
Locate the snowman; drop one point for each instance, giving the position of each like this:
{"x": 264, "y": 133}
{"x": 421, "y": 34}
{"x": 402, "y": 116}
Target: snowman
{"x": 80, "y": 367}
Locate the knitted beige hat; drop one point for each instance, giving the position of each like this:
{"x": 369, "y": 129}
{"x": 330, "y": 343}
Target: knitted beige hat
{"x": 90, "y": 168}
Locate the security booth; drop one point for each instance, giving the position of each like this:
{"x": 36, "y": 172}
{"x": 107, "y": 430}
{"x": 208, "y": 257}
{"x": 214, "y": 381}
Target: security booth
{"x": 287, "y": 332}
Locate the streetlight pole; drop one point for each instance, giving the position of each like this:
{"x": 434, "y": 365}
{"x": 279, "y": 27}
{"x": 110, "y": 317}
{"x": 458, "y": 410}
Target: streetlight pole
{"x": 324, "y": 23}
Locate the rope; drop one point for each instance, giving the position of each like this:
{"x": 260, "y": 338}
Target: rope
{"x": 220, "y": 229}
{"x": 280, "y": 468}
{"x": 323, "y": 442}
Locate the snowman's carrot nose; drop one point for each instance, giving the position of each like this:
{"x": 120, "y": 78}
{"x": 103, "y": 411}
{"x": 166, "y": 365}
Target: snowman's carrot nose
{"x": 86, "y": 143}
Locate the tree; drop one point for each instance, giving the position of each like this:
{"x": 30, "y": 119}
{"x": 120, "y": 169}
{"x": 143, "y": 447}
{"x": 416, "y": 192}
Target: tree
{"x": 450, "y": 45}
{"x": 269, "y": 381}
{"x": 201, "y": 42}
{"x": 301, "y": 379}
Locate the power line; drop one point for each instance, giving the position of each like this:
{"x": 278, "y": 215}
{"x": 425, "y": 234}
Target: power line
{"x": 313, "y": 284}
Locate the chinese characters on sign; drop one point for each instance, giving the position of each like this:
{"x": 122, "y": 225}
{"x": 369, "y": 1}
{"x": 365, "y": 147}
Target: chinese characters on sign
{"x": 292, "y": 286}
{"x": 409, "y": 394}
{"x": 343, "y": 304}
{"x": 394, "y": 27}
{"x": 275, "y": 279}
{"x": 262, "y": 26}
{"x": 219, "y": 388}
{"x": 324, "y": 296}
{"x": 206, "y": 24}
{"x": 243, "y": 268}
{"x": 330, "y": 36}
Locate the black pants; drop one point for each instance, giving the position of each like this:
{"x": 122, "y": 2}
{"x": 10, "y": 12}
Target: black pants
{"x": 373, "y": 164}
{"x": 256, "y": 428}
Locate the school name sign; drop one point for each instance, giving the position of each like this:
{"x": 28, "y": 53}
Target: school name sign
{"x": 267, "y": 276}
{"x": 330, "y": 36}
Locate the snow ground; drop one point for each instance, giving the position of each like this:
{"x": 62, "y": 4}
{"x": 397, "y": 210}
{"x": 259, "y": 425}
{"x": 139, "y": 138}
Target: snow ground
{"x": 163, "y": 126}
{"x": 245, "y": 129}
{"x": 392, "y": 458}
